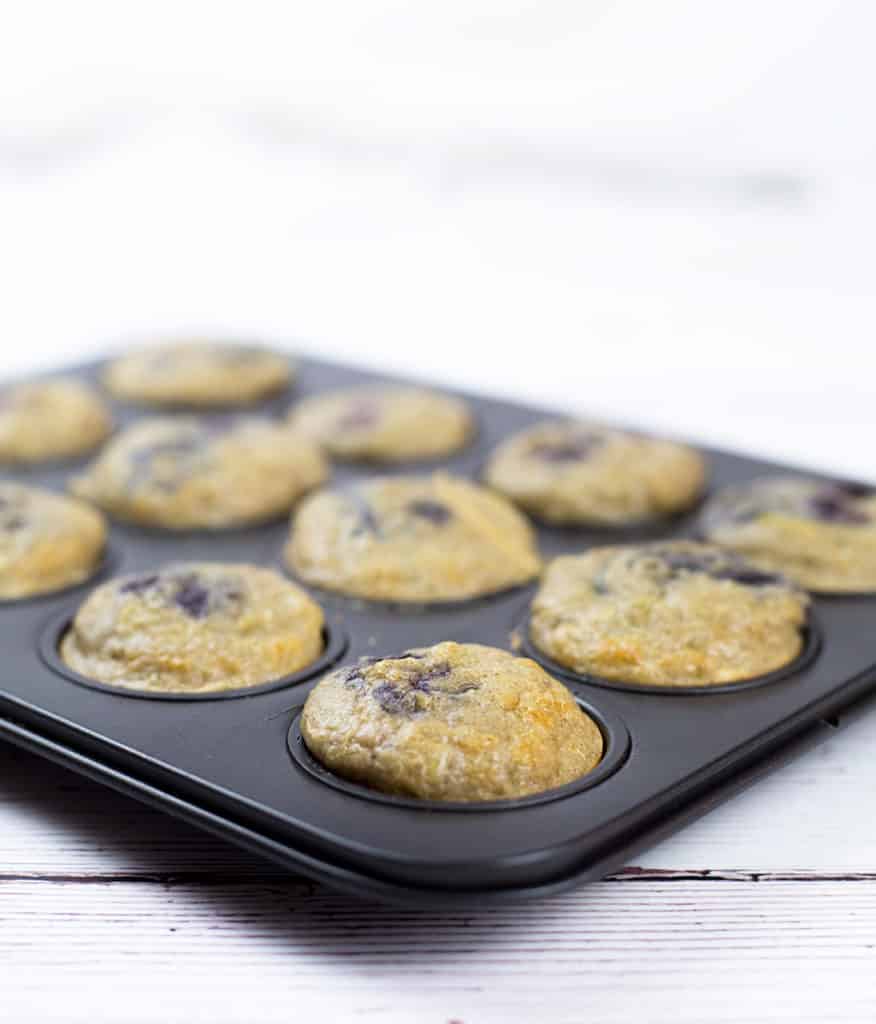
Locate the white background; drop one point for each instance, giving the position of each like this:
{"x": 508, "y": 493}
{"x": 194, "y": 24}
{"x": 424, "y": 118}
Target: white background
{"x": 659, "y": 211}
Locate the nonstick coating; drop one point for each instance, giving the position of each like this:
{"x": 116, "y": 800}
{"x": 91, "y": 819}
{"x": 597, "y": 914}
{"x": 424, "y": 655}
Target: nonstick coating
{"x": 225, "y": 763}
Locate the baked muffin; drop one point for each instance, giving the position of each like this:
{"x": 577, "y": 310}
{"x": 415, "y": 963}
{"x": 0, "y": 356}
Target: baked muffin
{"x": 198, "y": 627}
{"x": 673, "y": 613}
{"x": 50, "y": 419}
{"x": 47, "y": 541}
{"x": 450, "y": 722}
{"x": 429, "y": 538}
{"x": 822, "y": 535}
{"x": 198, "y": 373}
{"x": 385, "y": 424}
{"x": 184, "y": 473}
{"x": 570, "y": 472}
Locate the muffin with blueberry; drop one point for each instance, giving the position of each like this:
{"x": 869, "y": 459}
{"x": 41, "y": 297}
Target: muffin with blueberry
{"x": 58, "y": 418}
{"x": 457, "y": 722}
{"x": 194, "y": 628}
{"x": 384, "y": 424}
{"x": 667, "y": 614}
{"x": 411, "y": 539}
{"x": 574, "y": 473}
{"x": 821, "y": 534}
{"x": 185, "y": 473}
{"x": 198, "y": 373}
{"x": 47, "y": 541}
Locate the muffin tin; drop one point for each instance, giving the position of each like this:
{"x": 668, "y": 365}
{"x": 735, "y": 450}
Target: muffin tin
{"x": 233, "y": 763}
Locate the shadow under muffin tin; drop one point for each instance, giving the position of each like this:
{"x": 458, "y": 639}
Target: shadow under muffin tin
{"x": 237, "y": 767}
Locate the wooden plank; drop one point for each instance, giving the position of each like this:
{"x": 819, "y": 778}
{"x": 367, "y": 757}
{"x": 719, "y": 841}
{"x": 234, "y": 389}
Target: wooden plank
{"x": 659, "y": 952}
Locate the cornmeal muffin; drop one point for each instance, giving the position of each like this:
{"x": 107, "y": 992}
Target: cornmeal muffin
{"x": 822, "y": 535}
{"x": 385, "y": 424}
{"x": 568, "y": 472}
{"x": 50, "y": 419}
{"x": 47, "y": 541}
{"x": 431, "y": 538}
{"x": 450, "y": 722}
{"x": 674, "y": 613}
{"x": 198, "y": 373}
{"x": 184, "y": 473}
{"x": 194, "y": 628}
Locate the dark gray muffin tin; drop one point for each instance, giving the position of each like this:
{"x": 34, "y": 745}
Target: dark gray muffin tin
{"x": 234, "y": 764}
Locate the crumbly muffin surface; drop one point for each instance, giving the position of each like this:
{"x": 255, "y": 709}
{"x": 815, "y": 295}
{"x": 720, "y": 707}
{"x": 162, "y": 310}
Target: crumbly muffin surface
{"x": 450, "y": 722}
{"x": 198, "y": 373}
{"x": 50, "y": 419}
{"x": 47, "y": 541}
{"x": 419, "y": 539}
{"x": 385, "y": 424}
{"x": 194, "y": 628}
{"x": 183, "y": 473}
{"x": 571, "y": 472}
{"x": 672, "y": 613}
{"x": 822, "y": 535}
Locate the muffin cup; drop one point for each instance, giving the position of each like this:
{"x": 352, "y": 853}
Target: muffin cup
{"x": 616, "y": 748}
{"x": 812, "y": 640}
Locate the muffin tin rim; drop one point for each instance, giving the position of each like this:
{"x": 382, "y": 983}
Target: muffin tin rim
{"x": 335, "y": 636}
{"x": 617, "y": 746}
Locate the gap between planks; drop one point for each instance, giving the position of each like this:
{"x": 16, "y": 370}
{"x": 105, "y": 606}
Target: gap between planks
{"x": 220, "y": 878}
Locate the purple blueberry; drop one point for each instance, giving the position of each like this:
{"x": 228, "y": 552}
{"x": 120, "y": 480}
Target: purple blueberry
{"x": 192, "y": 597}
{"x": 359, "y": 415}
{"x": 719, "y": 567}
{"x": 366, "y": 520}
{"x": 834, "y": 503}
{"x": 139, "y": 584}
{"x": 574, "y": 448}
{"x": 184, "y": 451}
{"x": 748, "y": 577}
{"x": 435, "y": 512}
